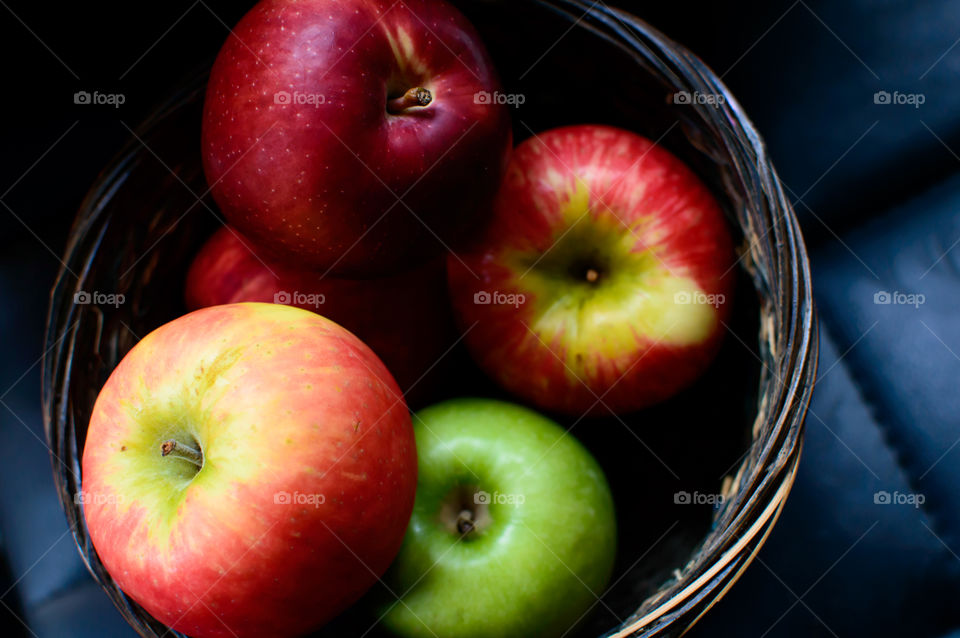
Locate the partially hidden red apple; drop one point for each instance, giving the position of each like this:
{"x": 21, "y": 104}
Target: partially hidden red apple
{"x": 405, "y": 318}
{"x": 248, "y": 471}
{"x": 354, "y": 134}
{"x": 603, "y": 281}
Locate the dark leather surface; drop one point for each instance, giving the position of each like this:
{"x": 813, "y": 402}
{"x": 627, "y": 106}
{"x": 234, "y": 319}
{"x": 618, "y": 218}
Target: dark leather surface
{"x": 882, "y": 421}
{"x": 877, "y": 188}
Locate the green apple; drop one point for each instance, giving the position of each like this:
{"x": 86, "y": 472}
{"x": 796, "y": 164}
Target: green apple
{"x": 513, "y": 530}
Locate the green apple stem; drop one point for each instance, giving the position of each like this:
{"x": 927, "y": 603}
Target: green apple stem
{"x": 417, "y": 96}
{"x": 465, "y": 522}
{"x": 592, "y": 275}
{"x": 179, "y": 450}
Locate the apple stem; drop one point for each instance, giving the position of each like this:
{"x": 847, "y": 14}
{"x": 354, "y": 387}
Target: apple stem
{"x": 465, "y": 523}
{"x": 179, "y": 450}
{"x": 592, "y": 275}
{"x": 417, "y": 96}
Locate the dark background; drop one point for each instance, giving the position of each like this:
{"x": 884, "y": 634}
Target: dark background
{"x": 875, "y": 186}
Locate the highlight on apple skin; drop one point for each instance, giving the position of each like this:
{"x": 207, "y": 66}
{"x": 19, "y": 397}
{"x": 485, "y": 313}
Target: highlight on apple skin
{"x": 404, "y": 318}
{"x": 603, "y": 282}
{"x": 513, "y": 531}
{"x": 248, "y": 471}
{"x": 349, "y": 134}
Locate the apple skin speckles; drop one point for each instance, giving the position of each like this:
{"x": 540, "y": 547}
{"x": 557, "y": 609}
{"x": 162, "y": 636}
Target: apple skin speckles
{"x": 281, "y": 528}
{"x": 649, "y": 318}
{"x": 295, "y": 115}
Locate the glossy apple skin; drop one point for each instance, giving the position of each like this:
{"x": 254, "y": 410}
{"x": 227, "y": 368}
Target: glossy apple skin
{"x": 405, "y": 319}
{"x": 538, "y": 566}
{"x": 584, "y": 196}
{"x": 279, "y": 400}
{"x": 320, "y": 182}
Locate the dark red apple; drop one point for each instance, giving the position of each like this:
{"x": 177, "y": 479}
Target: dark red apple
{"x": 353, "y": 134}
{"x": 405, "y": 319}
{"x": 604, "y": 278}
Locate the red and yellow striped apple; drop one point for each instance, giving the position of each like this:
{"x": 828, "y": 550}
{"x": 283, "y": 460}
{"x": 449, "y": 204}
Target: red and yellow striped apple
{"x": 404, "y": 318}
{"x": 249, "y": 471}
{"x": 602, "y": 282}
{"x": 320, "y": 115}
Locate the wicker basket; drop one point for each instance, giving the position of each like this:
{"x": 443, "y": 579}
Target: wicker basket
{"x": 141, "y": 222}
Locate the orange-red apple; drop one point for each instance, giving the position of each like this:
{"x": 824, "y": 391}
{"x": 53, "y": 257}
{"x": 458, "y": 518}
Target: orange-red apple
{"x": 604, "y": 279}
{"x": 248, "y": 471}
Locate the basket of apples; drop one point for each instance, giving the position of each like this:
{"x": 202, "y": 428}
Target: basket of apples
{"x": 412, "y": 319}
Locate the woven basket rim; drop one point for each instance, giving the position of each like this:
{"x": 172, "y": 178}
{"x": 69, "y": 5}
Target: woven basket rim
{"x": 788, "y": 337}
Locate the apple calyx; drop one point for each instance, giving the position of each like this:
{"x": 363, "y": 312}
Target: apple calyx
{"x": 465, "y": 512}
{"x": 465, "y": 522}
{"x": 417, "y": 96}
{"x": 590, "y": 271}
{"x": 172, "y": 447}
{"x": 471, "y": 520}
